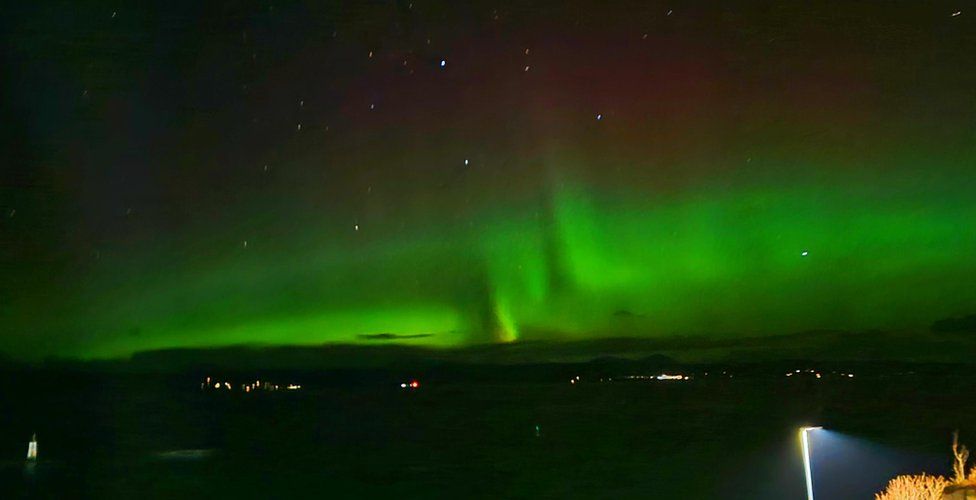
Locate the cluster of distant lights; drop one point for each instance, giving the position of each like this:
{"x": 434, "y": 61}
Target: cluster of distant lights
{"x": 210, "y": 383}
{"x": 665, "y": 376}
{"x": 817, "y": 374}
{"x": 413, "y": 384}
{"x": 661, "y": 377}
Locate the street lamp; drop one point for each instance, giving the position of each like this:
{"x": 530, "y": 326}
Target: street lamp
{"x": 805, "y": 441}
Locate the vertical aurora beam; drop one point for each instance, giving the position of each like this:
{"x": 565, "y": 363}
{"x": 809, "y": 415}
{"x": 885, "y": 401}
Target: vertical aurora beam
{"x": 507, "y": 326}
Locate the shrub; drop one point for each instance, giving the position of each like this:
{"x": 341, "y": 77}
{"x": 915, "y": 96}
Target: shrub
{"x": 920, "y": 487}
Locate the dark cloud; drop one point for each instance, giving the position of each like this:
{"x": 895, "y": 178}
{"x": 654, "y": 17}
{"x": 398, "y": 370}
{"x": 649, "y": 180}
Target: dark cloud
{"x": 393, "y": 336}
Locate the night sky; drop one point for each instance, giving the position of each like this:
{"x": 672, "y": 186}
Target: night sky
{"x": 450, "y": 173}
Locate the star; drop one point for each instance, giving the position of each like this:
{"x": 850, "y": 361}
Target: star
{"x": 599, "y": 117}
{"x": 957, "y": 13}
{"x": 245, "y": 243}
{"x": 356, "y": 227}
{"x": 466, "y": 161}
{"x": 443, "y": 62}
{"x": 804, "y": 253}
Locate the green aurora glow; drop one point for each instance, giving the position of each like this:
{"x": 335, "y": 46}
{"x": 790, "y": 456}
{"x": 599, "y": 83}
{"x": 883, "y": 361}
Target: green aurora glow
{"x": 685, "y": 210}
{"x": 724, "y": 259}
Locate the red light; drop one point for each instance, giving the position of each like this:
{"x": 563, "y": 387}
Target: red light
{"x": 415, "y": 384}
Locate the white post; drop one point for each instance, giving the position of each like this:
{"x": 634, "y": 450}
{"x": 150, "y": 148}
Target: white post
{"x": 32, "y": 448}
{"x": 805, "y": 441}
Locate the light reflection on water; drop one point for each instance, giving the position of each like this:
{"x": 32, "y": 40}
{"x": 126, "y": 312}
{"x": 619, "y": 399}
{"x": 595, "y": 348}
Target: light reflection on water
{"x": 464, "y": 441}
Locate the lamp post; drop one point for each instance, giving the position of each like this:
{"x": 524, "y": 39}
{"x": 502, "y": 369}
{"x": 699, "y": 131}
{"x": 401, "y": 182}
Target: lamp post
{"x": 805, "y": 442}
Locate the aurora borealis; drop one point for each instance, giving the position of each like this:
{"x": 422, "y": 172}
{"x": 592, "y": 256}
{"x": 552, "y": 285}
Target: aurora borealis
{"x": 306, "y": 173}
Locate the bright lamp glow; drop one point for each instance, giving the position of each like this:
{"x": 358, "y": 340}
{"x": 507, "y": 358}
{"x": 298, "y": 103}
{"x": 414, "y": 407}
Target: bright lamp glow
{"x": 805, "y": 441}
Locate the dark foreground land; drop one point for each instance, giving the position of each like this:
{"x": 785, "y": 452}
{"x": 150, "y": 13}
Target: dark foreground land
{"x": 359, "y": 435}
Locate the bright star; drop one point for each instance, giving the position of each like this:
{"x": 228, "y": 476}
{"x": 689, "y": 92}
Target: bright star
{"x": 804, "y": 253}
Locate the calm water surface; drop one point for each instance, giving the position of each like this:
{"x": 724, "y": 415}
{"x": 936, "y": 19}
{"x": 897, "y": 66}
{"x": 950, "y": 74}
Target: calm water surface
{"x": 124, "y": 436}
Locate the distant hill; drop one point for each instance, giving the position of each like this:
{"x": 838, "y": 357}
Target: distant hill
{"x": 814, "y": 346}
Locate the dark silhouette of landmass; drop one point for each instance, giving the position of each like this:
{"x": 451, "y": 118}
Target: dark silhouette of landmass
{"x": 816, "y": 346}
{"x": 961, "y": 324}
